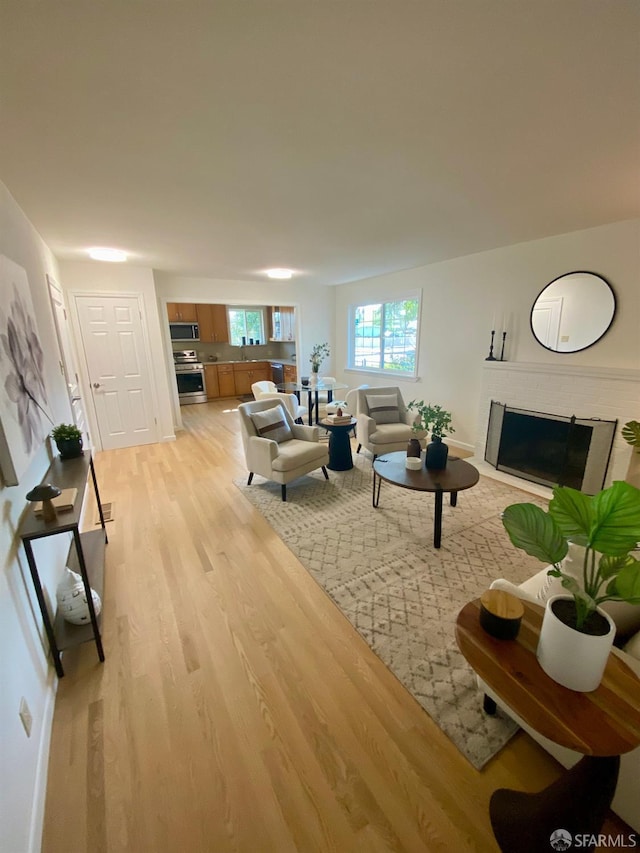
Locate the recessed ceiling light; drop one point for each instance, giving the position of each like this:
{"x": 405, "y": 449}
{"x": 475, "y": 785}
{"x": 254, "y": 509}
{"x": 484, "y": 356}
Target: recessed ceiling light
{"x": 114, "y": 255}
{"x": 279, "y": 273}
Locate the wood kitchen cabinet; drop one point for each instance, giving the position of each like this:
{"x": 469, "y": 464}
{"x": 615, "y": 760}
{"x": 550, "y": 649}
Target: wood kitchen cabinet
{"x": 290, "y": 373}
{"x": 211, "y": 381}
{"x": 182, "y": 312}
{"x": 226, "y": 381}
{"x": 212, "y": 320}
{"x": 249, "y": 372}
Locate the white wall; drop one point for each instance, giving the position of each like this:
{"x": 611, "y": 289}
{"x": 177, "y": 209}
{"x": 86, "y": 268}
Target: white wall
{"x": 101, "y": 277}
{"x": 24, "y": 668}
{"x": 461, "y": 296}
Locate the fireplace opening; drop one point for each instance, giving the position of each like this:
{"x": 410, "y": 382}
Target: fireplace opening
{"x": 550, "y": 449}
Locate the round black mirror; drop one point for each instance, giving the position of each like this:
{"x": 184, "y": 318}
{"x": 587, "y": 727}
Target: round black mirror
{"x": 573, "y": 312}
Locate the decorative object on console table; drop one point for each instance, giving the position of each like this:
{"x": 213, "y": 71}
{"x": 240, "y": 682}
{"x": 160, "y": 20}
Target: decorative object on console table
{"x": 86, "y": 555}
{"x": 607, "y": 524}
{"x": 68, "y": 439}
{"x": 44, "y": 494}
{"x": 504, "y": 337}
{"x": 436, "y": 420}
{"x": 631, "y": 434}
{"x": 72, "y": 599}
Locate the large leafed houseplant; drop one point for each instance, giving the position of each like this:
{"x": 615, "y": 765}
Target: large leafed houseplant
{"x": 607, "y": 527}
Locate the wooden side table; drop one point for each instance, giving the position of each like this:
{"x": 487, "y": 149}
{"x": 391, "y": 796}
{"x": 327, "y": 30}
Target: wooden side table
{"x": 601, "y": 725}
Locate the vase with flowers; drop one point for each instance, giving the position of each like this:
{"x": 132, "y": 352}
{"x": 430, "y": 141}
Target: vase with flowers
{"x": 318, "y": 355}
{"x": 437, "y": 421}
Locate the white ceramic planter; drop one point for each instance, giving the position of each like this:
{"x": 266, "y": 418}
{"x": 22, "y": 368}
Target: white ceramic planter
{"x": 575, "y": 660}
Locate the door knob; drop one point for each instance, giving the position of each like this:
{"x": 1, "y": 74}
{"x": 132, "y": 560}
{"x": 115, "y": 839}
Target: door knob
{"x": 96, "y": 385}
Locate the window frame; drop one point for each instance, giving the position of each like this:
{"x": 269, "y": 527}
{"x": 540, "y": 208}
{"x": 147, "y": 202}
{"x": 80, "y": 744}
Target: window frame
{"x": 263, "y": 313}
{"x": 385, "y": 301}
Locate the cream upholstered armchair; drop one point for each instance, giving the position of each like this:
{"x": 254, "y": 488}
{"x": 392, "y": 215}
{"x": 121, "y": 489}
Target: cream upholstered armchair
{"x": 265, "y": 390}
{"x": 384, "y": 422}
{"x": 277, "y": 448}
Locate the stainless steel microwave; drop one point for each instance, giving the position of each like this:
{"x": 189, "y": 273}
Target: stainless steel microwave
{"x": 184, "y": 331}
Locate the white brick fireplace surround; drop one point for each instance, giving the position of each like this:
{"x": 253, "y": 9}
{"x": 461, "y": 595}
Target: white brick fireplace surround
{"x": 586, "y": 392}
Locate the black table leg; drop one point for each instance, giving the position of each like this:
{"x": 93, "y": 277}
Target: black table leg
{"x": 376, "y": 497}
{"x": 437, "y": 522}
{"x": 576, "y": 803}
{"x": 453, "y": 498}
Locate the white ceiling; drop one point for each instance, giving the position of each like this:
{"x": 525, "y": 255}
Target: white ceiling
{"x": 342, "y": 138}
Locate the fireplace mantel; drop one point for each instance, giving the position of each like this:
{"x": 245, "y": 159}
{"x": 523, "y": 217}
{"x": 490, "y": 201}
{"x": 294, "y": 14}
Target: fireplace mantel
{"x": 586, "y": 392}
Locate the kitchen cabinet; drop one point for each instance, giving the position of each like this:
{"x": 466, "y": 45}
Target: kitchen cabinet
{"x": 212, "y": 320}
{"x": 283, "y": 323}
{"x": 226, "y": 381}
{"x": 249, "y": 372}
{"x": 182, "y": 312}
{"x": 211, "y": 381}
{"x": 86, "y": 555}
{"x": 290, "y": 373}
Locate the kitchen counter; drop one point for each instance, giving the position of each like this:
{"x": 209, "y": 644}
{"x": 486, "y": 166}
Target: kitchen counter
{"x": 252, "y": 360}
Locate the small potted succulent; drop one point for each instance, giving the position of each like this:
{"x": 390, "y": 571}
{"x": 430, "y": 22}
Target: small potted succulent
{"x": 68, "y": 439}
{"x": 576, "y": 635}
{"x": 437, "y": 421}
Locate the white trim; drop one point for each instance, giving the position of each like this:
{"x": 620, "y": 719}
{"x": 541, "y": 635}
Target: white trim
{"x": 621, "y": 373}
{"x": 36, "y": 824}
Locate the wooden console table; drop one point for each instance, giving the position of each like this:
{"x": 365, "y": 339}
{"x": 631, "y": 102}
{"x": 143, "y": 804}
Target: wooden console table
{"x": 601, "y": 725}
{"x": 86, "y": 555}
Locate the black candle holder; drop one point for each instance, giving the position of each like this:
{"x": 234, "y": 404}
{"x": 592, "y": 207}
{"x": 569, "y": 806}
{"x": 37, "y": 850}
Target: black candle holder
{"x": 504, "y": 337}
{"x": 491, "y": 356}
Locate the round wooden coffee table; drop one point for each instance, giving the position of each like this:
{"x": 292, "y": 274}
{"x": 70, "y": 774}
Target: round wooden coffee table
{"x": 456, "y": 477}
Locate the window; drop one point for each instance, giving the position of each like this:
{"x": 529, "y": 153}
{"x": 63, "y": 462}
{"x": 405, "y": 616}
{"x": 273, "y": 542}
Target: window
{"x": 384, "y": 336}
{"x": 247, "y": 323}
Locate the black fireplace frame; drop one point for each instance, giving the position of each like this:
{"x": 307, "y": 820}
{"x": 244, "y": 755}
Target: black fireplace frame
{"x": 597, "y": 453}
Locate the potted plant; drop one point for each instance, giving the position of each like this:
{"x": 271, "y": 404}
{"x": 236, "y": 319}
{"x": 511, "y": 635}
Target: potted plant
{"x": 576, "y": 636}
{"x": 437, "y": 421}
{"x": 318, "y": 355}
{"x": 631, "y": 434}
{"x": 68, "y": 439}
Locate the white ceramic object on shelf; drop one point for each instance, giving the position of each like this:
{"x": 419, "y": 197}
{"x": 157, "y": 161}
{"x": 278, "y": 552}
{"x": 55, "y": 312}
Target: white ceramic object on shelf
{"x": 72, "y": 599}
{"x": 571, "y": 658}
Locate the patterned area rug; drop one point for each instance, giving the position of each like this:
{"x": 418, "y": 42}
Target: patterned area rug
{"x": 401, "y": 594}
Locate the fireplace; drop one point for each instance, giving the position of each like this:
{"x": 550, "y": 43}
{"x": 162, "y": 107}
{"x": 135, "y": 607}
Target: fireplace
{"x": 549, "y": 449}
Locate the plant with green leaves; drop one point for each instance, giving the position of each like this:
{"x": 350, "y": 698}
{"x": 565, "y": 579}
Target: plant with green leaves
{"x": 631, "y": 434}
{"x": 433, "y": 419}
{"x": 66, "y": 432}
{"x": 606, "y": 525}
{"x": 318, "y": 355}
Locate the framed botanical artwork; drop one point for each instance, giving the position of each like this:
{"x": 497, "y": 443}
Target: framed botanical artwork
{"x": 24, "y": 408}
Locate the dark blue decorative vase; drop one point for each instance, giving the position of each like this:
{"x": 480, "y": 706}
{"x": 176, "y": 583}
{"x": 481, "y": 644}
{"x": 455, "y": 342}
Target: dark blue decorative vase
{"x": 437, "y": 453}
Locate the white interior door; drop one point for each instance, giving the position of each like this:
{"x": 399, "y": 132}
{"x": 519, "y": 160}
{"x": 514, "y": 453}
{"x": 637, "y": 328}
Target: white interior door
{"x": 68, "y": 364}
{"x": 545, "y": 320}
{"x": 118, "y": 367}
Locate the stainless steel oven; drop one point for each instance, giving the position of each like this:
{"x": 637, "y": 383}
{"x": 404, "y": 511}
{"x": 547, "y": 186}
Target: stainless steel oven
{"x": 189, "y": 377}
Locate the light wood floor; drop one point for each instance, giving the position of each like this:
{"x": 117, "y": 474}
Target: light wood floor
{"x": 237, "y": 709}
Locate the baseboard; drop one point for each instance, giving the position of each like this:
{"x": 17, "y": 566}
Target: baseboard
{"x": 40, "y": 786}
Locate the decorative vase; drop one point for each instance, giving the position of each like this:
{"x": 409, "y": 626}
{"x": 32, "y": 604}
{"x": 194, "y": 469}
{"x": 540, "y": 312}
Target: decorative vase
{"x": 69, "y": 448}
{"x": 314, "y": 378}
{"x": 72, "y": 599}
{"x": 437, "y": 453}
{"x": 572, "y": 658}
{"x": 413, "y": 448}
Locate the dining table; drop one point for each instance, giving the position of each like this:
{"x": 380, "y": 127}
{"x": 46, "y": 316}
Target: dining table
{"x": 312, "y": 391}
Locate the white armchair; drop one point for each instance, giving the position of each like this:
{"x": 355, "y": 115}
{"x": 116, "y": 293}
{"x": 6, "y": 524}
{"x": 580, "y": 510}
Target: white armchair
{"x": 266, "y": 390}
{"x": 384, "y": 422}
{"x": 275, "y": 446}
